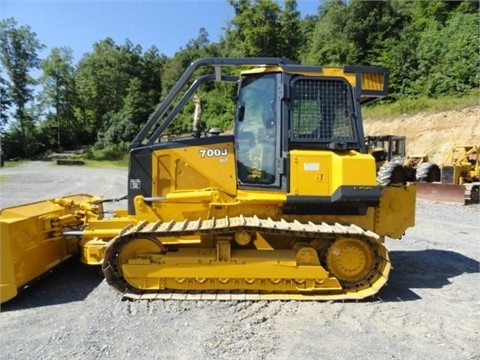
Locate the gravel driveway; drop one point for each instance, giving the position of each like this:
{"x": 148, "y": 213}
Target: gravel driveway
{"x": 429, "y": 309}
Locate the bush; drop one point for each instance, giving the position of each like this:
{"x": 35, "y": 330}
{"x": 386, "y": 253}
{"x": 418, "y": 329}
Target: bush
{"x": 109, "y": 153}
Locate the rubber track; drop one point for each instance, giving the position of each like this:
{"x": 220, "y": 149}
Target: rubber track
{"x": 228, "y": 225}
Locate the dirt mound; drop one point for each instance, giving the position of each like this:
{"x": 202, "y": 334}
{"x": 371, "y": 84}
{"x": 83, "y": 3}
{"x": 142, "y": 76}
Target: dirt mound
{"x": 432, "y": 134}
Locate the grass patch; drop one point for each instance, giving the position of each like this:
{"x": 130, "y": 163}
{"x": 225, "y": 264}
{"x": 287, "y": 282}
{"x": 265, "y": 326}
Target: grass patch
{"x": 123, "y": 163}
{"x": 11, "y": 164}
{"x": 385, "y": 110}
{"x": 115, "y": 156}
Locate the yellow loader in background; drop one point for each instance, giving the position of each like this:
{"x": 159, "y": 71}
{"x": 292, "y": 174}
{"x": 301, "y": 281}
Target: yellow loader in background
{"x": 395, "y": 166}
{"x": 456, "y": 180}
{"x": 460, "y": 177}
{"x": 286, "y": 207}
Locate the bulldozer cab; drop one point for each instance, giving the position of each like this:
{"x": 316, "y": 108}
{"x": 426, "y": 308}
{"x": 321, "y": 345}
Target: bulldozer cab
{"x": 386, "y": 148}
{"x": 281, "y": 107}
{"x": 393, "y": 147}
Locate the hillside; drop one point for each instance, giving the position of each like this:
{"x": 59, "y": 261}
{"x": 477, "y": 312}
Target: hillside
{"x": 433, "y": 134}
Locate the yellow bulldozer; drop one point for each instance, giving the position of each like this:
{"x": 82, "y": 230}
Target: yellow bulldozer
{"x": 285, "y": 207}
{"x": 460, "y": 177}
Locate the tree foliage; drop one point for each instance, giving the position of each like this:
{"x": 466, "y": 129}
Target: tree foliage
{"x": 255, "y": 29}
{"x": 430, "y": 46}
{"x": 19, "y": 49}
{"x": 437, "y": 50}
{"x": 58, "y": 98}
{"x": 105, "y": 80}
{"x": 5, "y": 100}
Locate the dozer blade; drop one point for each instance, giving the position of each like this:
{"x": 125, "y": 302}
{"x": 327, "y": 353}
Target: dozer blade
{"x": 451, "y": 193}
{"x": 31, "y": 241}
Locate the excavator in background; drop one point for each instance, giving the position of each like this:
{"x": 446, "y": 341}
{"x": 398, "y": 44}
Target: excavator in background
{"x": 287, "y": 206}
{"x": 395, "y": 166}
{"x": 460, "y": 177}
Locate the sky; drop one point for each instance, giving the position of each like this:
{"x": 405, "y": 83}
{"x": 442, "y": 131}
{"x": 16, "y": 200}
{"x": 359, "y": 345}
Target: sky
{"x": 167, "y": 24}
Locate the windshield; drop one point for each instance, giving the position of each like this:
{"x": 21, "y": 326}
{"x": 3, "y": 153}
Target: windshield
{"x": 256, "y": 130}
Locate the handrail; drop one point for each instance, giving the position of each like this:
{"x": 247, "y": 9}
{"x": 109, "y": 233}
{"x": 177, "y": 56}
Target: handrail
{"x": 214, "y": 62}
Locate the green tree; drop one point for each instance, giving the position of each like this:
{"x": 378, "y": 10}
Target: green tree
{"x": 19, "y": 49}
{"x": 58, "y": 96}
{"x": 5, "y": 101}
{"x": 436, "y": 50}
{"x": 448, "y": 55}
{"x": 100, "y": 85}
{"x": 255, "y": 30}
{"x": 307, "y": 28}
{"x": 151, "y": 69}
{"x": 291, "y": 36}
{"x": 107, "y": 80}
{"x": 102, "y": 78}
{"x": 125, "y": 124}
{"x": 329, "y": 44}
{"x": 354, "y": 32}
{"x": 369, "y": 24}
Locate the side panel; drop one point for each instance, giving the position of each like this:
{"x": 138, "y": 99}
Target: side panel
{"x": 197, "y": 165}
{"x": 321, "y": 173}
{"x": 336, "y": 183}
{"x": 310, "y": 173}
{"x": 178, "y": 179}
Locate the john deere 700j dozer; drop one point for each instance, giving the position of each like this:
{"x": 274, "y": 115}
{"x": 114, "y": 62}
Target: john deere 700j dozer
{"x": 285, "y": 207}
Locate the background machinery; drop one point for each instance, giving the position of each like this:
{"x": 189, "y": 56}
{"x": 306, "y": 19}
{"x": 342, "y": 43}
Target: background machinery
{"x": 395, "y": 166}
{"x": 456, "y": 180}
{"x": 460, "y": 177}
{"x": 285, "y": 207}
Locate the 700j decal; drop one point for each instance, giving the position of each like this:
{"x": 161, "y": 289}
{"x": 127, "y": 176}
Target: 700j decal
{"x": 213, "y": 152}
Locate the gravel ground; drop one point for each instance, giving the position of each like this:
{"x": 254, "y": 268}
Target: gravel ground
{"x": 428, "y": 310}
